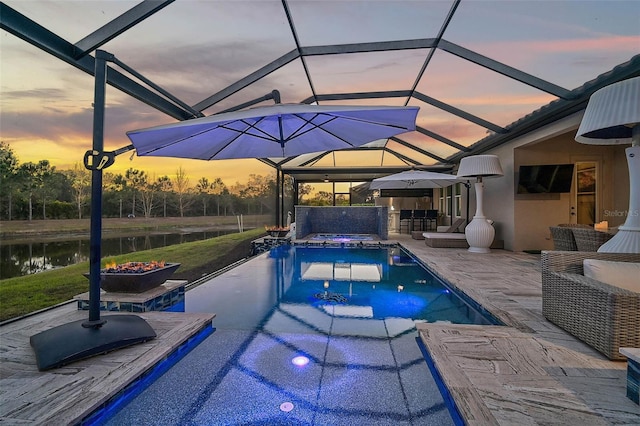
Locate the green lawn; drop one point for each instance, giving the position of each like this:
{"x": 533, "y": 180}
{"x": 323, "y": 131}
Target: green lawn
{"x": 37, "y": 228}
{"x": 22, "y": 295}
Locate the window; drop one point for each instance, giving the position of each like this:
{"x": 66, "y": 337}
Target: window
{"x": 444, "y": 200}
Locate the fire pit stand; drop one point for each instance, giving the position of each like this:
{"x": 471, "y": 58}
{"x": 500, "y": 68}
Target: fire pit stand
{"x": 163, "y": 297}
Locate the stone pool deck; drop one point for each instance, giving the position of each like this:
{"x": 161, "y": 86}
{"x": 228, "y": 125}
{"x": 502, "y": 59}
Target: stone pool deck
{"x": 66, "y": 395}
{"x": 529, "y": 372}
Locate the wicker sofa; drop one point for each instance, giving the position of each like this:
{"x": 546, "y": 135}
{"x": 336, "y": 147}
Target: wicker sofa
{"x": 603, "y": 316}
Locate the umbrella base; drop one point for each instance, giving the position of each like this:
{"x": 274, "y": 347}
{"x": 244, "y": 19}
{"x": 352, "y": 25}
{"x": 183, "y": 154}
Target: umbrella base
{"x": 71, "y": 342}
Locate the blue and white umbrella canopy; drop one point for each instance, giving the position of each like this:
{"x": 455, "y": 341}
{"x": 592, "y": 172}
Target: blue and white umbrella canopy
{"x": 281, "y": 130}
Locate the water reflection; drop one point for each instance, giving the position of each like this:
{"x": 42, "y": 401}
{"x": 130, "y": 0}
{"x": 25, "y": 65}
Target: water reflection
{"x": 29, "y": 258}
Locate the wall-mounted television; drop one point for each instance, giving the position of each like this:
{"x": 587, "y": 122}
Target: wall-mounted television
{"x": 545, "y": 178}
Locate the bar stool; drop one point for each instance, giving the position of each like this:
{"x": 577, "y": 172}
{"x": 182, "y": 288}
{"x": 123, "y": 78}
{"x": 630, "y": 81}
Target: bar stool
{"x": 420, "y": 216}
{"x": 406, "y": 218}
{"x": 431, "y": 217}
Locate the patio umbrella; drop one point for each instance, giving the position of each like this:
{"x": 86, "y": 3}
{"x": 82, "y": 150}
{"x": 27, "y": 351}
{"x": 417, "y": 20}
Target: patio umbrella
{"x": 279, "y": 130}
{"x": 414, "y": 179}
{"x": 273, "y": 131}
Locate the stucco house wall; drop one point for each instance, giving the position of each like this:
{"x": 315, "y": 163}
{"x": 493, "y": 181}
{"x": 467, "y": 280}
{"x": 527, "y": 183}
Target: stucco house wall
{"x": 522, "y": 220}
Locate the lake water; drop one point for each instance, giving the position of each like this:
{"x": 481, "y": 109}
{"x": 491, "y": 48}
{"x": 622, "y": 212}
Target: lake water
{"x": 29, "y": 258}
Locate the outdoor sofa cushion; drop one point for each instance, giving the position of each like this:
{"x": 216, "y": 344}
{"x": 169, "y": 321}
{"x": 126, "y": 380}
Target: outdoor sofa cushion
{"x": 620, "y": 274}
{"x": 445, "y": 240}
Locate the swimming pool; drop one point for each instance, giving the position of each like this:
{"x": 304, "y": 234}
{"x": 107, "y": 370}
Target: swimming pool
{"x": 309, "y": 335}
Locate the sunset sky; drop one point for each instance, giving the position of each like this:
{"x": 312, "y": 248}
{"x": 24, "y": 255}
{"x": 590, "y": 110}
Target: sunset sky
{"x": 195, "y": 49}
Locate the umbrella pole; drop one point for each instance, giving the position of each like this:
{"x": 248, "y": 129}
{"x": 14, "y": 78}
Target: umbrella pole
{"x": 81, "y": 339}
{"x": 451, "y": 213}
{"x": 467, "y": 185}
{"x": 274, "y": 94}
{"x": 281, "y": 190}
{"x": 277, "y": 200}
{"x": 96, "y": 194}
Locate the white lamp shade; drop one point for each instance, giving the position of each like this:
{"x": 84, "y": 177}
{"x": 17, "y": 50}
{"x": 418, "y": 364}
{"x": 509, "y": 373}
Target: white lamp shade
{"x": 480, "y": 165}
{"x": 611, "y": 114}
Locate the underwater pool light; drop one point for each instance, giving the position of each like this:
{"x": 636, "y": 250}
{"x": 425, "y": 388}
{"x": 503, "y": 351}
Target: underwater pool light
{"x": 300, "y": 361}
{"x": 286, "y": 406}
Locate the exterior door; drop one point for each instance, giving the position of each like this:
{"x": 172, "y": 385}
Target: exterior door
{"x": 586, "y": 178}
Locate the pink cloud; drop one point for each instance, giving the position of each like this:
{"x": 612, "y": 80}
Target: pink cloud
{"x": 619, "y": 43}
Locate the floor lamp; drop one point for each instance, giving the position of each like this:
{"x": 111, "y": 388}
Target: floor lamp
{"x": 612, "y": 117}
{"x": 479, "y": 232}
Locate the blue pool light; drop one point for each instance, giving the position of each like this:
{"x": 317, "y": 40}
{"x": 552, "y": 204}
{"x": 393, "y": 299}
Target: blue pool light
{"x": 300, "y": 361}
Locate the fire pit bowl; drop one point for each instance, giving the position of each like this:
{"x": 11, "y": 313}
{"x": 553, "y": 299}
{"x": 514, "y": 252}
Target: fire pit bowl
{"x": 135, "y": 281}
{"x": 277, "y": 231}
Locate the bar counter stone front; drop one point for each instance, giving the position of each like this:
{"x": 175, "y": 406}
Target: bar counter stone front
{"x": 342, "y": 220}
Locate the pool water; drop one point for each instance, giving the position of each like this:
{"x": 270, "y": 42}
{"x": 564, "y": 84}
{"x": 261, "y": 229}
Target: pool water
{"x": 311, "y": 336}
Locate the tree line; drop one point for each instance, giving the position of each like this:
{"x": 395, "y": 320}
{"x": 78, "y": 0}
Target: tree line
{"x": 40, "y": 191}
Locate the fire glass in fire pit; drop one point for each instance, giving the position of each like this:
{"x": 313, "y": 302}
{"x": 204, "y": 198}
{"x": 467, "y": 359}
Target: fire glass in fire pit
{"x": 277, "y": 231}
{"x": 135, "y": 277}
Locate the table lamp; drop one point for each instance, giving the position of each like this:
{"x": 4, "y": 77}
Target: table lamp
{"x": 612, "y": 117}
{"x": 479, "y": 232}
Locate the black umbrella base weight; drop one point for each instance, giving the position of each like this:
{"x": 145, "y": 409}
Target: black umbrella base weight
{"x": 72, "y": 342}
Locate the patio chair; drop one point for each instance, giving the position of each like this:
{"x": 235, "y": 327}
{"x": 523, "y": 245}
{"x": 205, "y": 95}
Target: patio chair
{"x": 562, "y": 235}
{"x": 563, "y": 239}
{"x": 455, "y": 226}
{"x": 450, "y": 238}
{"x": 406, "y": 218}
{"x": 604, "y": 316}
{"x": 588, "y": 239}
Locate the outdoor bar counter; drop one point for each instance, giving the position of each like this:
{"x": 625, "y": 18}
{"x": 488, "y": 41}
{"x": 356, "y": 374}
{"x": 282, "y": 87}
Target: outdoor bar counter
{"x": 342, "y": 220}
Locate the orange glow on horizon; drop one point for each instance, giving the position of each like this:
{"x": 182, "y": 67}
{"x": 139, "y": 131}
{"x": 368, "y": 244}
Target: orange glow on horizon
{"x": 64, "y": 157}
